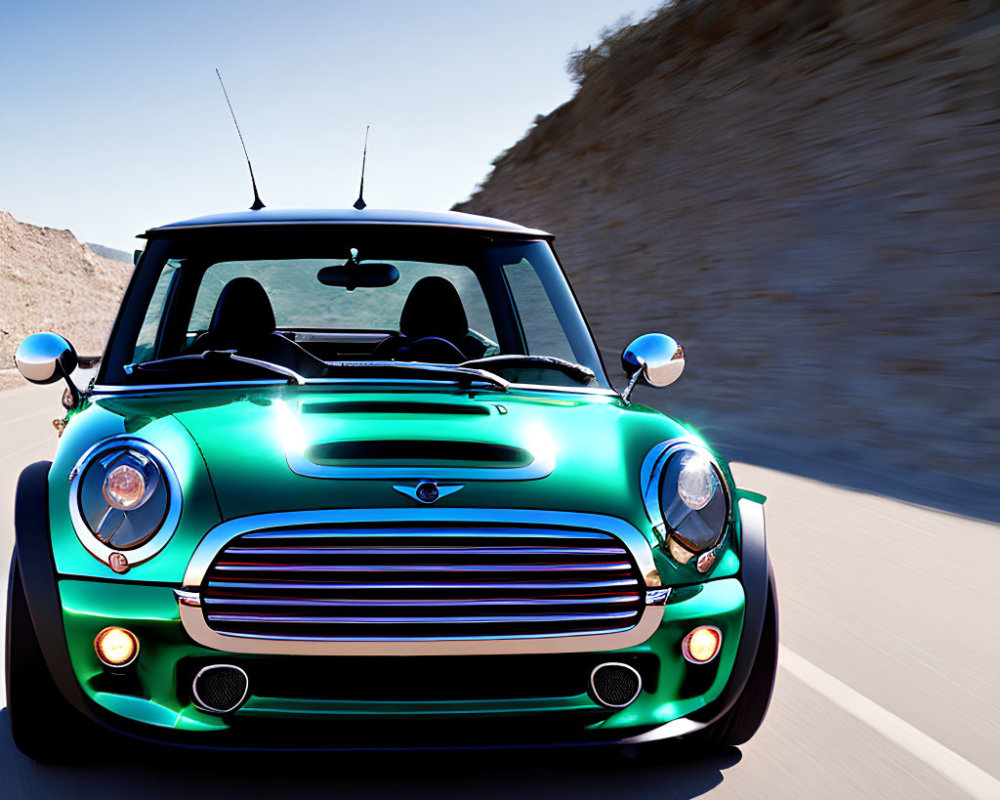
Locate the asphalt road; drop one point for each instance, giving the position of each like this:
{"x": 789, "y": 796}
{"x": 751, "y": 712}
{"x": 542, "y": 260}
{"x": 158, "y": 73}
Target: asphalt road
{"x": 887, "y": 686}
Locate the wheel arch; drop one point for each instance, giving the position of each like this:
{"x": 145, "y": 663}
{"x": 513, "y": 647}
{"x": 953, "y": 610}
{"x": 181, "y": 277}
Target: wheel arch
{"x": 33, "y": 555}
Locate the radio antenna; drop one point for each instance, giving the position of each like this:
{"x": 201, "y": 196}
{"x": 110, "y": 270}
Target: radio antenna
{"x": 257, "y": 204}
{"x": 360, "y": 203}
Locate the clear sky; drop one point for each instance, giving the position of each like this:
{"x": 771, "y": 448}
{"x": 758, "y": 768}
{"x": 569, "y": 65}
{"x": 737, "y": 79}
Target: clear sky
{"x": 112, "y": 121}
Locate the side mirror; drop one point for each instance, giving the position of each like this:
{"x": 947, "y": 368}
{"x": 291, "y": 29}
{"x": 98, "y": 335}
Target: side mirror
{"x": 45, "y": 358}
{"x": 654, "y": 358}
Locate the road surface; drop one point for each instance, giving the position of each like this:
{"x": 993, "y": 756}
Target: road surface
{"x": 888, "y": 682}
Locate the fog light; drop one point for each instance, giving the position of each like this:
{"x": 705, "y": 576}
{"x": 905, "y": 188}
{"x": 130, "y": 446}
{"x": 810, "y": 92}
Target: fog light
{"x": 702, "y": 644}
{"x": 116, "y": 647}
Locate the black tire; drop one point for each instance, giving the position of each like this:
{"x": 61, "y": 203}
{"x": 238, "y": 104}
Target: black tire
{"x": 43, "y": 724}
{"x": 741, "y": 722}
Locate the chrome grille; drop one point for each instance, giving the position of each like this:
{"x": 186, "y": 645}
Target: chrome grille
{"x": 405, "y": 583}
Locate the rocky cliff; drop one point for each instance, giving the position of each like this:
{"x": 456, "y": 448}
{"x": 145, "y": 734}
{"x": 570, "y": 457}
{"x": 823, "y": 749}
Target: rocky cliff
{"x": 49, "y": 281}
{"x": 806, "y": 194}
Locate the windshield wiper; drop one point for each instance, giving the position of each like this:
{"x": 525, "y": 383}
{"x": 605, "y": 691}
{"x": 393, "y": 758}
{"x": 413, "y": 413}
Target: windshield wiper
{"x": 460, "y": 373}
{"x": 216, "y": 355}
{"x": 577, "y": 372}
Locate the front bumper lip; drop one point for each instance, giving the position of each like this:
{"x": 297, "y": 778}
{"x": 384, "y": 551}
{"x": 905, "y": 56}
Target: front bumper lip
{"x": 391, "y": 737}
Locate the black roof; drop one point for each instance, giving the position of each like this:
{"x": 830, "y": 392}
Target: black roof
{"x": 350, "y": 216}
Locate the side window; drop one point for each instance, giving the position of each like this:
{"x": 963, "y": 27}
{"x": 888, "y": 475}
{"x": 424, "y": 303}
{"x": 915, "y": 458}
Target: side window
{"x": 145, "y": 344}
{"x": 543, "y": 333}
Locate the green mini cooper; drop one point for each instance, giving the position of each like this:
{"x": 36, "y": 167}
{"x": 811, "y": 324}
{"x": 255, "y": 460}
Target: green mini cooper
{"x": 357, "y": 479}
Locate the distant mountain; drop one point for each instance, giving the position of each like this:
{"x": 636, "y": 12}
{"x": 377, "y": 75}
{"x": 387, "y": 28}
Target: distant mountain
{"x": 49, "y": 281}
{"x": 110, "y": 252}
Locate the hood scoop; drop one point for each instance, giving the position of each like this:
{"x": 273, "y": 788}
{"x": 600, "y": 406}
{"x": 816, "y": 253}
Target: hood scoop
{"x": 430, "y": 459}
{"x": 395, "y": 408}
{"x": 419, "y": 453}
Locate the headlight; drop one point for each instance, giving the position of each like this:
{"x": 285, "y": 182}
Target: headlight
{"x": 692, "y": 499}
{"x": 686, "y": 498}
{"x": 129, "y": 483}
{"x": 125, "y": 501}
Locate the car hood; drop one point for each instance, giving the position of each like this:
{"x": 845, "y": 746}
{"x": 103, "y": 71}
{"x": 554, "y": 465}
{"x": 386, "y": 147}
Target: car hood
{"x": 292, "y": 448}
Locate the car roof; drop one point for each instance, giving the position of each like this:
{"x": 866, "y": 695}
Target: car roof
{"x": 350, "y": 216}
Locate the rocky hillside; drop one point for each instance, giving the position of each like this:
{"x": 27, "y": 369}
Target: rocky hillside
{"x": 805, "y": 193}
{"x": 49, "y": 281}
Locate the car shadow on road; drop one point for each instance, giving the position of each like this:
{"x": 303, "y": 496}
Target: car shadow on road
{"x": 677, "y": 774}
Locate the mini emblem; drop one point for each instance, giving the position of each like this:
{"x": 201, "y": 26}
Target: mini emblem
{"x": 428, "y": 491}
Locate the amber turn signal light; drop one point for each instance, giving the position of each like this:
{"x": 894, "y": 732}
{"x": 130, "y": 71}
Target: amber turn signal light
{"x": 116, "y": 647}
{"x": 702, "y": 644}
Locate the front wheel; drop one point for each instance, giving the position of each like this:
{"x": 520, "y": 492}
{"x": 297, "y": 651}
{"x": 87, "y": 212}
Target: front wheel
{"x": 43, "y": 724}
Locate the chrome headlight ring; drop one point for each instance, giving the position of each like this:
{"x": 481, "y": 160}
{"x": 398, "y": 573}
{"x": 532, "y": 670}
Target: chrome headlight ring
{"x": 702, "y": 488}
{"x": 155, "y": 516}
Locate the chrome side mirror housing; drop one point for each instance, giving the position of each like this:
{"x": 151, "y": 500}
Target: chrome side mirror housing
{"x": 47, "y": 357}
{"x": 654, "y": 358}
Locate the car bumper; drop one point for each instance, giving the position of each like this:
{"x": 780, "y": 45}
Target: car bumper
{"x": 305, "y": 702}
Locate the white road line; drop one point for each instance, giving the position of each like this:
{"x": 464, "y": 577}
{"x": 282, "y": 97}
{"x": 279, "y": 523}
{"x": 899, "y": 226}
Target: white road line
{"x": 964, "y": 774}
{"x": 30, "y": 415}
{"x": 34, "y": 446}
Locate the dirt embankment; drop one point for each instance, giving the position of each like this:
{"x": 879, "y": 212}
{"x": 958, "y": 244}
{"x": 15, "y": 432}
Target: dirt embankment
{"x": 806, "y": 194}
{"x": 50, "y": 281}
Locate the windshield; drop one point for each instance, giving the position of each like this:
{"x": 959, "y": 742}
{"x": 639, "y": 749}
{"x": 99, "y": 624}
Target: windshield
{"x": 327, "y": 301}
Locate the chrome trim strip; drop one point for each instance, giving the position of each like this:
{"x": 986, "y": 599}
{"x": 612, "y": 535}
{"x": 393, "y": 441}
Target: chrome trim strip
{"x": 597, "y": 697}
{"x": 377, "y": 568}
{"x": 95, "y": 546}
{"x": 438, "y": 533}
{"x": 355, "y": 603}
{"x": 421, "y": 620}
{"x": 218, "y": 537}
{"x": 423, "y": 551}
{"x": 186, "y": 598}
{"x": 197, "y": 628}
{"x": 379, "y": 586}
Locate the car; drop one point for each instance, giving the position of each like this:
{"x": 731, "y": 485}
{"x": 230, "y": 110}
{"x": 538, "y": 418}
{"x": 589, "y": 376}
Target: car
{"x": 358, "y": 479}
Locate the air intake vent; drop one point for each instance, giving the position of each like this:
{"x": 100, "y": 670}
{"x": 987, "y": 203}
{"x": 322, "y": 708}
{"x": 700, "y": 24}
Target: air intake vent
{"x": 615, "y": 685}
{"x": 220, "y": 688}
{"x": 418, "y": 453}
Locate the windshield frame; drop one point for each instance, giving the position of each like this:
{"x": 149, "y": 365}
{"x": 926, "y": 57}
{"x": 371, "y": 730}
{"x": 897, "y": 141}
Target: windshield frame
{"x": 113, "y": 374}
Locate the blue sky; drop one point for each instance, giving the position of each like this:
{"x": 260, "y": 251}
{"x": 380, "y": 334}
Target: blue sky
{"x": 111, "y": 118}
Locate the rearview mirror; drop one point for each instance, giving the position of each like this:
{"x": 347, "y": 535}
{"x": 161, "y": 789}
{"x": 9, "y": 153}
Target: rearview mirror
{"x": 654, "y": 358}
{"x": 352, "y": 275}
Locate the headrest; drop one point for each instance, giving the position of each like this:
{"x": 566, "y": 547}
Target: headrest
{"x": 433, "y": 308}
{"x": 242, "y": 313}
